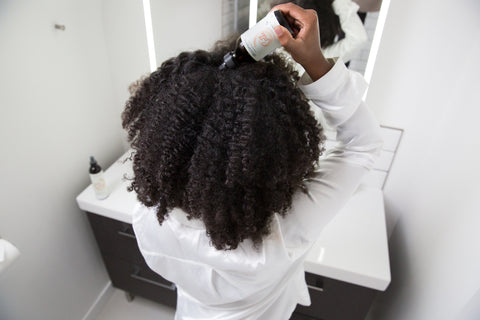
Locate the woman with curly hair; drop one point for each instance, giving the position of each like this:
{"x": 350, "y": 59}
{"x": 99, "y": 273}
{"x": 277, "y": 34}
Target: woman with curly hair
{"x": 227, "y": 170}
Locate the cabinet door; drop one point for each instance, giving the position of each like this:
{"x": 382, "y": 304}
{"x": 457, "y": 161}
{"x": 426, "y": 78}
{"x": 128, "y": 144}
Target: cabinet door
{"x": 335, "y": 300}
{"x": 299, "y": 316}
{"x": 138, "y": 279}
{"x": 125, "y": 265}
{"x": 115, "y": 238}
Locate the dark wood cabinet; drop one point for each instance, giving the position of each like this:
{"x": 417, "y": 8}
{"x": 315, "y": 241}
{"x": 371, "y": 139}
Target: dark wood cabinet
{"x": 125, "y": 265}
{"x": 335, "y": 300}
{"x": 331, "y": 299}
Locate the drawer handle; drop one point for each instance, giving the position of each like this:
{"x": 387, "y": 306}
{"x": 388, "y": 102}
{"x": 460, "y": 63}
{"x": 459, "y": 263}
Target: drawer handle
{"x": 156, "y": 283}
{"x": 315, "y": 288}
{"x": 126, "y": 234}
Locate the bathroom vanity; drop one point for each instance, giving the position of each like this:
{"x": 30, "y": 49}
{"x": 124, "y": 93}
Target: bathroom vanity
{"x": 345, "y": 268}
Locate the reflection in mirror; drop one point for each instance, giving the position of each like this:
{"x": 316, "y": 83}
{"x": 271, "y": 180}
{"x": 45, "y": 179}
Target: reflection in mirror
{"x": 347, "y": 27}
{"x": 187, "y": 25}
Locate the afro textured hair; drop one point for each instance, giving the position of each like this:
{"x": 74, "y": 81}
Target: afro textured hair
{"x": 228, "y": 147}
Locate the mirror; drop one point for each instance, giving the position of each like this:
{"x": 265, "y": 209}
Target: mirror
{"x": 189, "y": 25}
{"x": 347, "y": 27}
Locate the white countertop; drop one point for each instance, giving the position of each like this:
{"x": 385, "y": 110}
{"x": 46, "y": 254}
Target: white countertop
{"x": 352, "y": 248}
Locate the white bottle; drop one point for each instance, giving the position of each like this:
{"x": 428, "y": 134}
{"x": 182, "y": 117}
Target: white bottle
{"x": 98, "y": 181}
{"x": 261, "y": 39}
{"x": 256, "y": 42}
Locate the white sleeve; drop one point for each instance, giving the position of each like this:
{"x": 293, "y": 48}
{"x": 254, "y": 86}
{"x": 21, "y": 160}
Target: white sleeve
{"x": 339, "y": 95}
{"x": 355, "y": 34}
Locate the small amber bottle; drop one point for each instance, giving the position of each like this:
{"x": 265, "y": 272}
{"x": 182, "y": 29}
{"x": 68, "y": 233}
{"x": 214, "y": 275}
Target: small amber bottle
{"x": 98, "y": 181}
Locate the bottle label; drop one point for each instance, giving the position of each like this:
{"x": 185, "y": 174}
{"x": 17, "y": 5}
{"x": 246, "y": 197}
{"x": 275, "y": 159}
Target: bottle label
{"x": 99, "y": 185}
{"x": 261, "y": 39}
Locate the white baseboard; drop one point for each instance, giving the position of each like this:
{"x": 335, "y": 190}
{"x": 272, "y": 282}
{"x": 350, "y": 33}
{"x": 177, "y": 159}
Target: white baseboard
{"x": 100, "y": 302}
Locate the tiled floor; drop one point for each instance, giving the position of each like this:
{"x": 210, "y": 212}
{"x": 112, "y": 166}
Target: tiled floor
{"x": 118, "y": 308}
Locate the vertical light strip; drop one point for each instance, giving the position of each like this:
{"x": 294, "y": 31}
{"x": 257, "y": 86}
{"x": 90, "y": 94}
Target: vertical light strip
{"x": 382, "y": 16}
{"x": 149, "y": 29}
{"x": 235, "y": 16}
{"x": 252, "y": 18}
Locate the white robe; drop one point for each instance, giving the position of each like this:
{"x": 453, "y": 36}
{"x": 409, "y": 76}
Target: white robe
{"x": 269, "y": 282}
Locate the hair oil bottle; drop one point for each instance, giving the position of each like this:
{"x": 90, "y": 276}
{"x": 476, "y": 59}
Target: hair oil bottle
{"x": 98, "y": 181}
{"x": 256, "y": 42}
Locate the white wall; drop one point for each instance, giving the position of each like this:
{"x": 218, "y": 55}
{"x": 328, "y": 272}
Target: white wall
{"x": 126, "y": 41}
{"x": 185, "y": 25}
{"x": 58, "y": 107}
{"x": 426, "y": 82}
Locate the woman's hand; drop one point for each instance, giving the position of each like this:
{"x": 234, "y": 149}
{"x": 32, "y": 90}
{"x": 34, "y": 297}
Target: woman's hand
{"x": 305, "y": 47}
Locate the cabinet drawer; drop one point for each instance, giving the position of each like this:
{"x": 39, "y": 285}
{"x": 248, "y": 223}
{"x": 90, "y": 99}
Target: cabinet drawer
{"x": 115, "y": 238}
{"x": 333, "y": 299}
{"x": 299, "y": 316}
{"x": 138, "y": 279}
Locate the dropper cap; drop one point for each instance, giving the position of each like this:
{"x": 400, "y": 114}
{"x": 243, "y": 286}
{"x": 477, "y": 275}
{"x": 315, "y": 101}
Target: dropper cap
{"x": 228, "y": 61}
{"x": 94, "y": 167}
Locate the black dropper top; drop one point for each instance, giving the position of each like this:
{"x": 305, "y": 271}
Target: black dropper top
{"x": 94, "y": 167}
{"x": 283, "y": 22}
{"x": 229, "y": 61}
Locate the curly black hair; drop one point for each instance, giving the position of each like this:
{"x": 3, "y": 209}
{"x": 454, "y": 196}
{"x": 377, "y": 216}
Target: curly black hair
{"x": 229, "y": 147}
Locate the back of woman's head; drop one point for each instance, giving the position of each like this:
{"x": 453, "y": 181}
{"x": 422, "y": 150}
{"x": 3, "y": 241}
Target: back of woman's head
{"x": 229, "y": 147}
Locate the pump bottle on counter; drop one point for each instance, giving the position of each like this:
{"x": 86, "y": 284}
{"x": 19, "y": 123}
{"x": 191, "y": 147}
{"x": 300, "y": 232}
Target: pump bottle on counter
{"x": 98, "y": 181}
{"x": 256, "y": 42}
